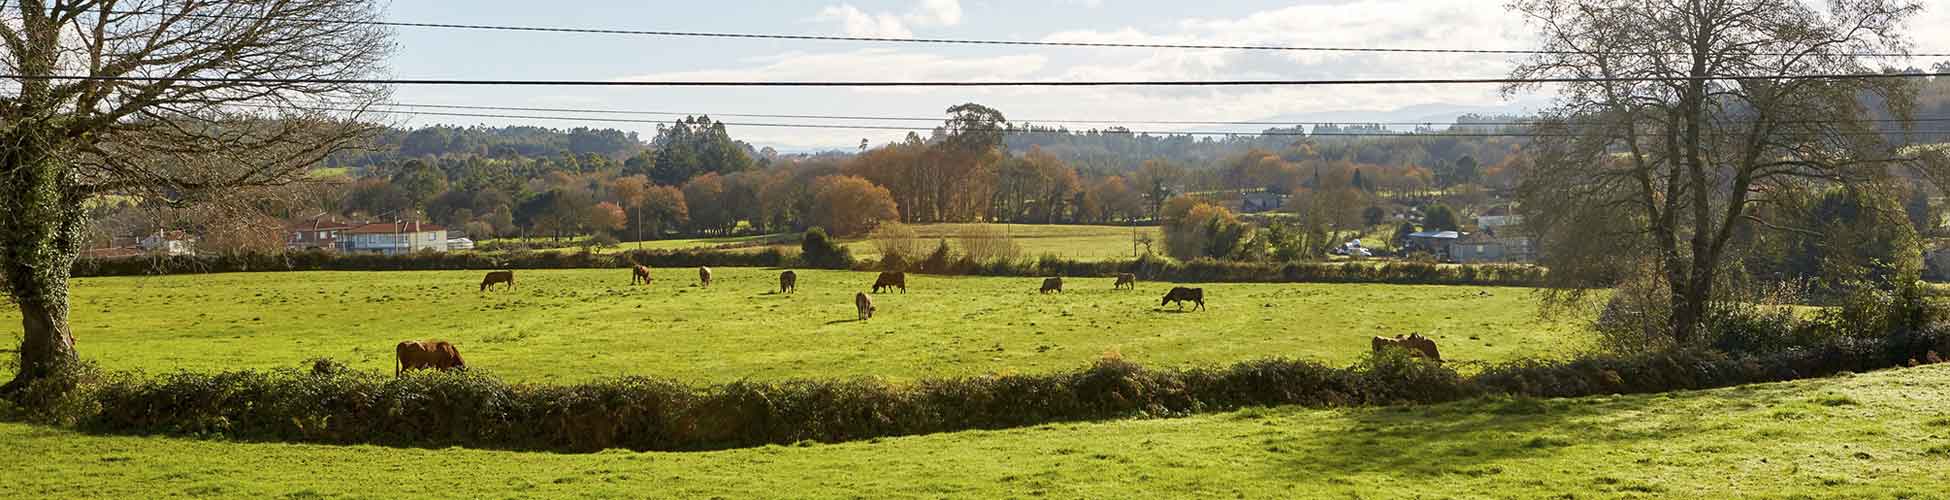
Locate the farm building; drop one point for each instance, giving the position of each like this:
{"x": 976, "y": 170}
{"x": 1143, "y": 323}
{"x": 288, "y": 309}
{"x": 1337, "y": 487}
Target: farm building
{"x": 1497, "y": 217}
{"x": 1434, "y": 242}
{"x": 393, "y": 238}
{"x": 315, "y": 234}
{"x": 168, "y": 243}
{"x": 1487, "y": 246}
{"x": 1261, "y": 202}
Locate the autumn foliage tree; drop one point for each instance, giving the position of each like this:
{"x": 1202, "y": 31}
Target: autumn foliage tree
{"x": 1196, "y": 229}
{"x": 848, "y": 205}
{"x": 663, "y": 207}
{"x": 607, "y": 217}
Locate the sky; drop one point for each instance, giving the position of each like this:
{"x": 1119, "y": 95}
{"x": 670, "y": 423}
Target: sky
{"x": 1475, "y": 24}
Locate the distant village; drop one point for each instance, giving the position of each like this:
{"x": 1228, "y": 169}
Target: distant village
{"x": 384, "y": 238}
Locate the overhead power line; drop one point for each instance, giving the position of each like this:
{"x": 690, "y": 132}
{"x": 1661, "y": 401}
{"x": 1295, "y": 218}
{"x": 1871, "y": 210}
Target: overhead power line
{"x": 1016, "y": 83}
{"x": 1042, "y": 121}
{"x": 961, "y": 41}
{"x": 1009, "y": 131}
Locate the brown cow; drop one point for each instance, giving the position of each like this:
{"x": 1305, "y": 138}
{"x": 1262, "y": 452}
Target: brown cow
{"x": 1052, "y": 285}
{"x": 435, "y": 354}
{"x": 788, "y": 282}
{"x": 1414, "y": 343}
{"x": 1181, "y": 294}
{"x": 704, "y": 276}
{"x": 890, "y": 280}
{"x": 1125, "y": 279}
{"x": 865, "y": 304}
{"x": 639, "y": 274}
{"x": 496, "y": 277}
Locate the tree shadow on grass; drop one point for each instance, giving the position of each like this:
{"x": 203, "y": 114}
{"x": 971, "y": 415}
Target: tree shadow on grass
{"x": 1473, "y": 437}
{"x": 844, "y": 321}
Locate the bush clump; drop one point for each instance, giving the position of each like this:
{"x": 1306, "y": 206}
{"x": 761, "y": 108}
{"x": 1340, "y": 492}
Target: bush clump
{"x": 817, "y": 249}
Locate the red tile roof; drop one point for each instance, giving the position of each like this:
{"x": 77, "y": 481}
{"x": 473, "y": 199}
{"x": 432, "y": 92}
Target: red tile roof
{"x": 318, "y": 226}
{"x": 390, "y": 228}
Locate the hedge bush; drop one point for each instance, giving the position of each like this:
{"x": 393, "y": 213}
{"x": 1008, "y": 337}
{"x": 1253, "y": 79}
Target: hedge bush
{"x": 329, "y": 404}
{"x": 424, "y": 261}
{"x": 1209, "y": 270}
{"x": 830, "y": 256}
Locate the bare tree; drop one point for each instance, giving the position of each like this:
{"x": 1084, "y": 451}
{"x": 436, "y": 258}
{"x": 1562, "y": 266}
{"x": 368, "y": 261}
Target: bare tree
{"x": 175, "y": 101}
{"x": 1693, "y": 114}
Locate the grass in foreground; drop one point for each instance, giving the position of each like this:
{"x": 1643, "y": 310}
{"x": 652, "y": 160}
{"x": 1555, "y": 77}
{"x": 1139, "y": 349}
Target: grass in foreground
{"x": 1879, "y": 435}
{"x": 573, "y": 325}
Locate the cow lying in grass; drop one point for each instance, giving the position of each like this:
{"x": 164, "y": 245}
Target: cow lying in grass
{"x": 1414, "y": 343}
{"x": 1181, "y": 295}
{"x": 418, "y": 354}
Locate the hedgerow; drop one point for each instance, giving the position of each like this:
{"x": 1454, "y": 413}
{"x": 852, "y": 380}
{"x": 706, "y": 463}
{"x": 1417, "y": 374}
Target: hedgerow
{"x": 327, "y": 403}
{"x": 832, "y": 257}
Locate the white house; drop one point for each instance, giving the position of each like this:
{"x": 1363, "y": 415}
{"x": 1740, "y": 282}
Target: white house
{"x": 393, "y": 239}
{"x": 168, "y": 243}
{"x": 1497, "y": 217}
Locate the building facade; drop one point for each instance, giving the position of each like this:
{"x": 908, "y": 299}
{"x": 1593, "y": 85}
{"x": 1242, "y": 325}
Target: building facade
{"x": 1487, "y": 247}
{"x": 393, "y": 239}
{"x": 168, "y": 243}
{"x": 315, "y": 235}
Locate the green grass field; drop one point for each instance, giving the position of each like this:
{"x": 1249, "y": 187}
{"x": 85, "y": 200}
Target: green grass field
{"x": 1878, "y": 435}
{"x": 572, "y": 325}
{"x": 1074, "y": 242}
{"x": 1087, "y": 243}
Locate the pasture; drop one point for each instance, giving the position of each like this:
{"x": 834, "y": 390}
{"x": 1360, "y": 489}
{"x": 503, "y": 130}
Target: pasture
{"x": 574, "y": 325}
{"x": 1072, "y": 242}
{"x": 1877, "y": 435}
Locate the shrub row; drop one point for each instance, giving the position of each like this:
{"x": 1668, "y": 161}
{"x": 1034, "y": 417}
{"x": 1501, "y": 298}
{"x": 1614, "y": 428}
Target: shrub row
{"x": 424, "y": 261}
{"x": 329, "y": 404}
{"x": 1202, "y": 270}
{"x": 1210, "y": 270}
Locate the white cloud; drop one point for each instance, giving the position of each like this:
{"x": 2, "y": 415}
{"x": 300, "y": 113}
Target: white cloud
{"x": 1359, "y": 23}
{"x": 936, "y": 13}
{"x": 867, "y": 64}
{"x": 857, "y": 22}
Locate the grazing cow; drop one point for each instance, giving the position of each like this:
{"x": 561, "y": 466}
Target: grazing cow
{"x": 890, "y": 280}
{"x": 865, "y": 304}
{"x": 435, "y": 354}
{"x": 1125, "y": 279}
{"x": 1414, "y": 343}
{"x": 1052, "y": 285}
{"x": 788, "y": 281}
{"x": 497, "y": 277}
{"x": 640, "y": 274}
{"x": 704, "y": 276}
{"x": 1181, "y": 294}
